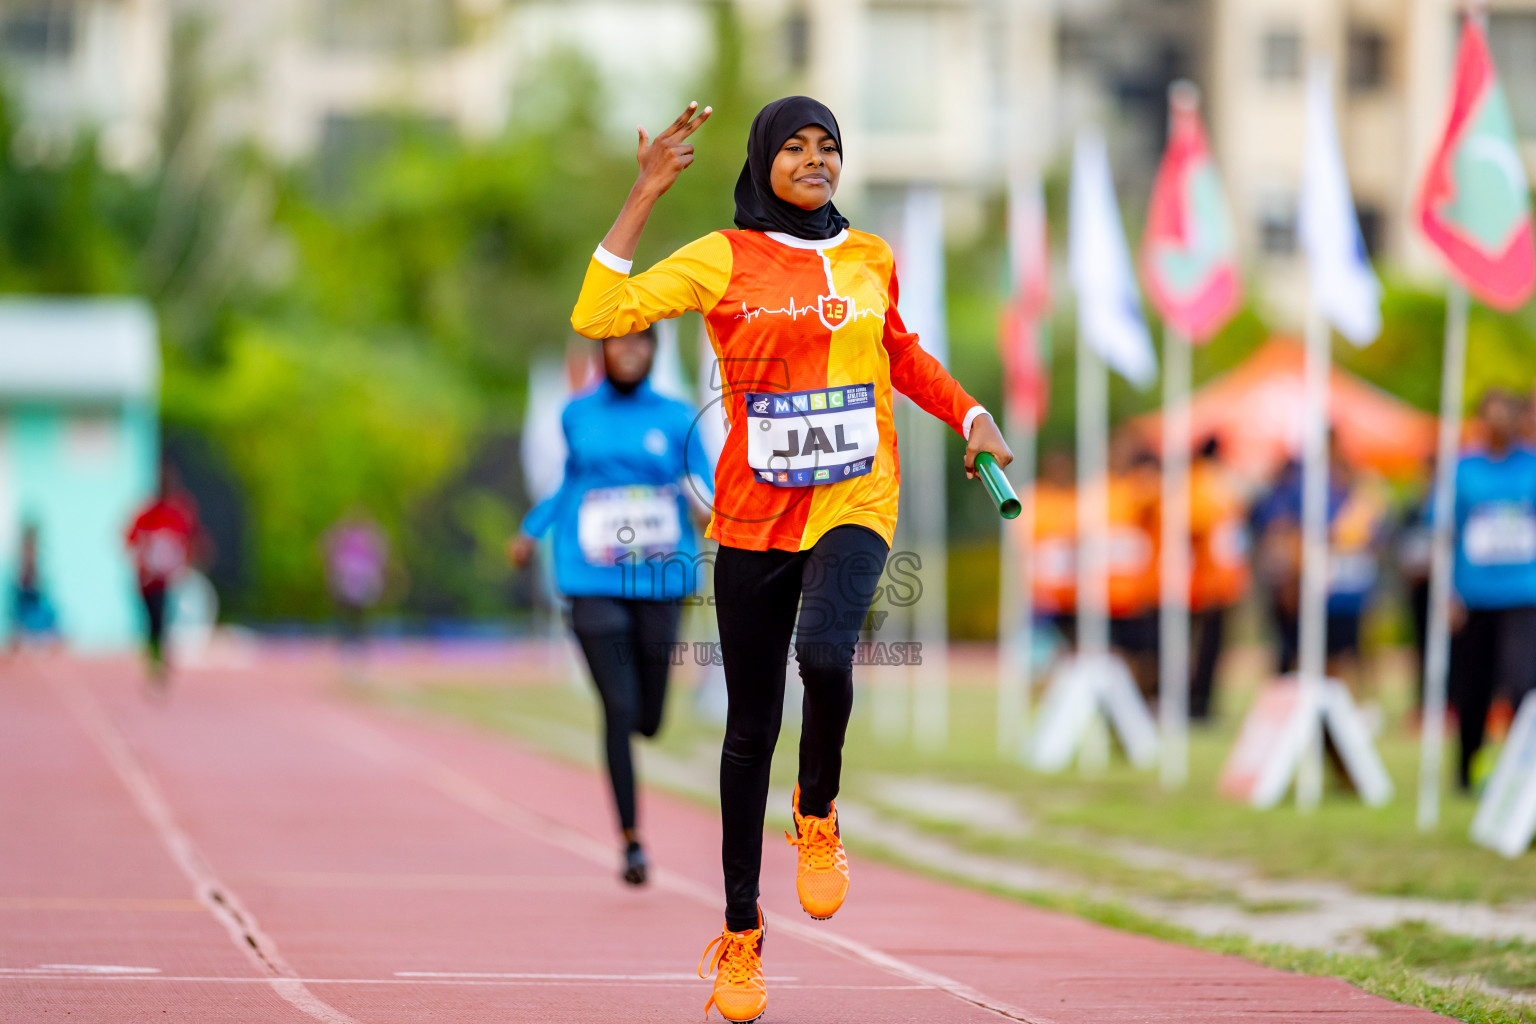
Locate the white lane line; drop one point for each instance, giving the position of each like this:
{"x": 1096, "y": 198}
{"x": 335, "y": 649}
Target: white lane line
{"x": 79, "y": 969}
{"x": 214, "y": 894}
{"x": 691, "y": 981}
{"x": 521, "y": 976}
{"x": 375, "y": 744}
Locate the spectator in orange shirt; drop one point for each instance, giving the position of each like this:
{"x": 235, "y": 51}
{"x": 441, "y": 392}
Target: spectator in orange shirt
{"x": 1219, "y": 573}
{"x": 1054, "y": 577}
{"x": 1134, "y": 517}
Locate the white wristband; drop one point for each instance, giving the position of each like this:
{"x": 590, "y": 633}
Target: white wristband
{"x": 970, "y": 417}
{"x": 611, "y": 261}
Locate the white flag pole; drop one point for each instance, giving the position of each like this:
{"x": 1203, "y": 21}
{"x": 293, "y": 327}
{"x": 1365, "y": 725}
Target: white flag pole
{"x": 1313, "y": 622}
{"x": 1015, "y": 597}
{"x": 1437, "y": 649}
{"x": 1173, "y": 686}
{"x": 923, "y": 274}
{"x": 1092, "y": 529}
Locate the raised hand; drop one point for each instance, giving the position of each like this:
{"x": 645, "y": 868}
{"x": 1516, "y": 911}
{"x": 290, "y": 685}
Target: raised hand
{"x": 663, "y": 158}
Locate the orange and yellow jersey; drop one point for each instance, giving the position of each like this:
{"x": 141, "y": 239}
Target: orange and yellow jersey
{"x": 810, "y": 345}
{"x": 1218, "y": 540}
{"x": 1133, "y": 543}
{"x": 1054, "y": 580}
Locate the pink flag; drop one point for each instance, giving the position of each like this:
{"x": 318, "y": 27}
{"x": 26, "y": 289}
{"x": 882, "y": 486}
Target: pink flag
{"x": 1189, "y": 253}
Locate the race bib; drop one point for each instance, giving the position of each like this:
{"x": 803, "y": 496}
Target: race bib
{"x": 1229, "y": 543}
{"x": 163, "y": 554}
{"x": 1351, "y": 572}
{"x": 1055, "y": 561}
{"x": 615, "y": 521}
{"x": 1128, "y": 551}
{"x": 1503, "y": 534}
{"x": 805, "y": 438}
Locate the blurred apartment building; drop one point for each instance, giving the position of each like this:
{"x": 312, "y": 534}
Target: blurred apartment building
{"x": 952, "y": 92}
{"x": 1392, "y": 61}
{"x": 945, "y": 91}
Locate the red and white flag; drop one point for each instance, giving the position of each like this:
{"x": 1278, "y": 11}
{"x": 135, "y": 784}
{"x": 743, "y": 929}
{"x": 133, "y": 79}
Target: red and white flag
{"x": 1022, "y": 337}
{"x": 1475, "y": 202}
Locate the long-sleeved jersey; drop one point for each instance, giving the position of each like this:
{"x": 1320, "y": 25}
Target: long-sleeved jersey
{"x": 620, "y": 517}
{"x": 810, "y": 345}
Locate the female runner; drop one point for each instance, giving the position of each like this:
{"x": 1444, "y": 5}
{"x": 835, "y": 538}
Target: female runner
{"x": 801, "y": 312}
{"x": 625, "y": 549}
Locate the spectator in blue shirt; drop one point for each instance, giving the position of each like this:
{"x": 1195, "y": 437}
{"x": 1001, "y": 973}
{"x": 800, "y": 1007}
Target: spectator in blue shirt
{"x": 625, "y": 551}
{"x": 1494, "y": 649}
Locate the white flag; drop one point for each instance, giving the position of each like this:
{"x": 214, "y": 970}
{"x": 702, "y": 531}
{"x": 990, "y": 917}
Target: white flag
{"x": 1344, "y": 287}
{"x": 1108, "y": 302}
{"x": 667, "y": 374}
{"x": 920, "y": 263}
{"x": 713, "y": 423}
{"x": 543, "y": 441}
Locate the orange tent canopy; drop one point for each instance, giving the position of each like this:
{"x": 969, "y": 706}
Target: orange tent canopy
{"x": 1257, "y": 408}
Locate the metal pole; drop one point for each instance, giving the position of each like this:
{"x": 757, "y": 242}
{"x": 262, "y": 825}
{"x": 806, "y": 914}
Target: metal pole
{"x": 1092, "y": 502}
{"x": 1093, "y": 532}
{"x": 1015, "y": 596}
{"x": 930, "y": 696}
{"x": 1173, "y": 687}
{"x": 1314, "y": 557}
{"x": 1437, "y": 649}
{"x": 891, "y": 697}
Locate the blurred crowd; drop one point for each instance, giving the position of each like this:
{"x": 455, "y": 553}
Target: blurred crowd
{"x": 1249, "y": 539}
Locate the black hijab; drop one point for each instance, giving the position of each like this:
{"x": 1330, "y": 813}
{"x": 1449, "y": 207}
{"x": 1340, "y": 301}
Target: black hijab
{"x": 757, "y": 208}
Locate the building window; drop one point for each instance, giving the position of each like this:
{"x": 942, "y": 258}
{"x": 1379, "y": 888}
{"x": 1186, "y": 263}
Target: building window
{"x": 386, "y": 26}
{"x": 1277, "y": 226}
{"x": 39, "y": 31}
{"x": 904, "y": 61}
{"x": 1372, "y": 226}
{"x": 1512, "y": 35}
{"x": 797, "y": 40}
{"x": 1367, "y": 63}
{"x": 1281, "y": 58}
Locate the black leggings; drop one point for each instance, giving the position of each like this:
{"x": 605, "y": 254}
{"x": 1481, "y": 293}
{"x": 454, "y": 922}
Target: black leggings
{"x": 1210, "y": 629}
{"x": 154, "y": 611}
{"x": 1494, "y": 654}
{"x": 628, "y": 645}
{"x": 822, "y": 596}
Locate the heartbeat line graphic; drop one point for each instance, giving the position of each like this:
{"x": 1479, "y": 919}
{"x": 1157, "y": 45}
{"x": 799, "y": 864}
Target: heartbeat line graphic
{"x": 796, "y": 312}
{"x": 792, "y": 311}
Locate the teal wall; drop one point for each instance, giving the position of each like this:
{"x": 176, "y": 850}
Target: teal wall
{"x": 80, "y": 472}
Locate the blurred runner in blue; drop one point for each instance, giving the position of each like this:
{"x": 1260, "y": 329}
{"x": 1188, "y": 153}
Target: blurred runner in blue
{"x": 32, "y": 615}
{"x": 625, "y": 550}
{"x": 1494, "y": 649}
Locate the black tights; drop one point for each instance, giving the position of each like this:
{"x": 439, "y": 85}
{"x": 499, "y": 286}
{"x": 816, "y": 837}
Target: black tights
{"x": 1494, "y": 654}
{"x": 821, "y": 596}
{"x": 628, "y": 645}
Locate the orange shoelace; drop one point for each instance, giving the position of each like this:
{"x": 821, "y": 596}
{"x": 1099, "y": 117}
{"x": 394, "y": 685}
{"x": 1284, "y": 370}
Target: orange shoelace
{"x": 818, "y": 841}
{"x": 737, "y": 960}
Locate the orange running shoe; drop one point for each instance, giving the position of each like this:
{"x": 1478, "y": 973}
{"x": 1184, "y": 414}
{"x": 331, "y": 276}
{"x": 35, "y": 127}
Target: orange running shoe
{"x": 741, "y": 993}
{"x": 821, "y": 878}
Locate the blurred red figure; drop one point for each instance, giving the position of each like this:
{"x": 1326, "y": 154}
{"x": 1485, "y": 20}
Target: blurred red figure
{"x": 161, "y": 542}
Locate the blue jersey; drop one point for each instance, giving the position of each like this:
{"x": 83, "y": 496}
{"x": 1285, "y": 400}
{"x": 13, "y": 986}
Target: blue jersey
{"x": 1356, "y": 524}
{"x": 1496, "y": 529}
{"x": 621, "y": 514}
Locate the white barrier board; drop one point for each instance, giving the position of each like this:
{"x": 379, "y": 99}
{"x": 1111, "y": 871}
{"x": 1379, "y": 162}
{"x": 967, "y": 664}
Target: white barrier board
{"x": 1506, "y": 815}
{"x": 1081, "y": 688}
{"x": 1276, "y": 733}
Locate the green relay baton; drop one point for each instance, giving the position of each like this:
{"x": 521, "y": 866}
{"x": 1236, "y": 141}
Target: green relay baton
{"x": 998, "y": 487}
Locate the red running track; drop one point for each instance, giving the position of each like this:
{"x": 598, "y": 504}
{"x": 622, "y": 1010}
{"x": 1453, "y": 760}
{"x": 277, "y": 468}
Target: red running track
{"x": 254, "y": 850}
